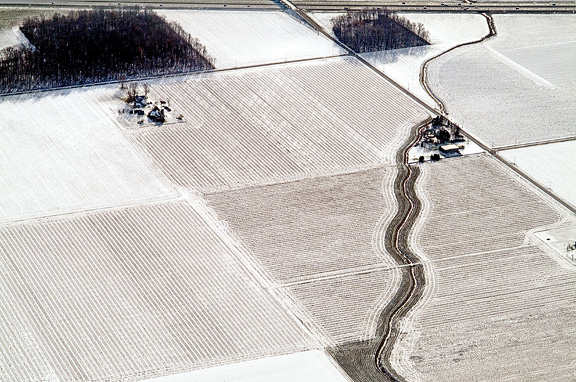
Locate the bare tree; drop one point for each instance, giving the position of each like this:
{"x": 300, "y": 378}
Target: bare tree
{"x": 122, "y": 77}
{"x": 132, "y": 92}
{"x": 146, "y": 87}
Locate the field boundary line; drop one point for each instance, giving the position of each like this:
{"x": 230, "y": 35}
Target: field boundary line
{"x": 362, "y": 270}
{"x": 494, "y": 151}
{"x": 532, "y": 144}
{"x": 520, "y": 69}
{"x": 91, "y": 211}
{"x": 166, "y": 76}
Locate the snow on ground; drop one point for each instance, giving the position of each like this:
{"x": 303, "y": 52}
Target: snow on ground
{"x": 132, "y": 293}
{"x": 552, "y": 165}
{"x": 309, "y": 366}
{"x": 446, "y": 31}
{"x": 9, "y": 37}
{"x": 516, "y": 88}
{"x": 324, "y": 19}
{"x": 548, "y": 51}
{"x": 279, "y": 123}
{"x": 60, "y": 152}
{"x": 468, "y": 148}
{"x": 562, "y": 241}
{"x": 236, "y": 38}
{"x": 498, "y": 307}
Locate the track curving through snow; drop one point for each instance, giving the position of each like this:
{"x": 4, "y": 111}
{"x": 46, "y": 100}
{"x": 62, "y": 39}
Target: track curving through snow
{"x": 424, "y": 70}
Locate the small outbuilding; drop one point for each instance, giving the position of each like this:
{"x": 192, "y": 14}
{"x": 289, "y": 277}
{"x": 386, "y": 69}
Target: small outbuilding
{"x": 449, "y": 150}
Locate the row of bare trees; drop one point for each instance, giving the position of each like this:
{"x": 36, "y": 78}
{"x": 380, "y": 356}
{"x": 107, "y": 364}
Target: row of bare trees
{"x": 98, "y": 45}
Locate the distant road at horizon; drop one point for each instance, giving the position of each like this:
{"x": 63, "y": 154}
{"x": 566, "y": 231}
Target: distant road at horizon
{"x": 506, "y": 6}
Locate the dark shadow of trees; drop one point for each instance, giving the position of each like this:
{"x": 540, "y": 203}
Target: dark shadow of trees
{"x": 99, "y": 45}
{"x": 376, "y": 30}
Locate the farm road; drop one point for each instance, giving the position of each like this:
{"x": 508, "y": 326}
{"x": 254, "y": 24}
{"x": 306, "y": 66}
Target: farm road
{"x": 424, "y": 70}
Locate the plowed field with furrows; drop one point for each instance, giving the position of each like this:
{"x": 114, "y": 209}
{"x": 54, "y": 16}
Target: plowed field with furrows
{"x": 314, "y": 227}
{"x": 320, "y": 240}
{"x": 497, "y": 308}
{"x": 346, "y": 308}
{"x": 130, "y": 294}
{"x": 278, "y": 124}
{"x": 481, "y": 209}
{"x": 506, "y": 316}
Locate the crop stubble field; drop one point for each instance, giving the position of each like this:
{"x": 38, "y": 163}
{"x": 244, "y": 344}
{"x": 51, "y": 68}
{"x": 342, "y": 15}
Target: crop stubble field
{"x": 309, "y": 235}
{"x": 279, "y": 124}
{"x": 146, "y": 291}
{"x": 498, "y": 306}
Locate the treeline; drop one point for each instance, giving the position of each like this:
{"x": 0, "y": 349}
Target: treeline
{"x": 98, "y": 45}
{"x": 373, "y": 30}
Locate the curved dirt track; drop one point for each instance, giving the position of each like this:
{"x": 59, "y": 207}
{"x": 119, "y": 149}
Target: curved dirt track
{"x": 424, "y": 70}
{"x": 370, "y": 360}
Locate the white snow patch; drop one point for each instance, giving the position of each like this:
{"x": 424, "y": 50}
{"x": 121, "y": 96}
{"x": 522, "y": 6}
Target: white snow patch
{"x": 309, "y": 366}
{"x": 562, "y": 241}
{"x": 11, "y": 37}
{"x": 469, "y": 148}
{"x": 237, "y": 38}
{"x": 554, "y": 61}
{"x": 452, "y": 28}
{"x": 446, "y": 31}
{"x": 527, "y": 96}
{"x": 60, "y": 152}
{"x": 324, "y": 19}
{"x": 552, "y": 165}
{"x": 520, "y": 69}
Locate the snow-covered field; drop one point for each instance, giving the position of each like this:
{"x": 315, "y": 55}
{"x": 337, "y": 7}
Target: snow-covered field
{"x": 301, "y": 229}
{"x": 309, "y": 366}
{"x": 320, "y": 242}
{"x": 10, "y": 18}
{"x": 552, "y": 165}
{"x": 60, "y": 152}
{"x": 497, "y": 306}
{"x": 404, "y": 65}
{"x": 516, "y": 88}
{"x": 236, "y": 38}
{"x": 446, "y": 31}
{"x": 277, "y": 124}
{"x": 132, "y": 294}
{"x": 482, "y": 209}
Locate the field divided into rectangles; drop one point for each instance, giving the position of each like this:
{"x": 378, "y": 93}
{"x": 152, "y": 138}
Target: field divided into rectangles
{"x": 346, "y": 307}
{"x": 129, "y": 294}
{"x": 498, "y": 308}
{"x": 319, "y": 241}
{"x": 279, "y": 124}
